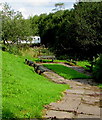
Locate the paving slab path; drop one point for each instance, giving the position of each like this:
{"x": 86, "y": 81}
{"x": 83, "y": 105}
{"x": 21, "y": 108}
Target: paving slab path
{"x": 81, "y": 101}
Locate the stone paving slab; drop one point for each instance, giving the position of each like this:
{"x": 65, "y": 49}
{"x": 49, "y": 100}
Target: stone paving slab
{"x": 72, "y": 96}
{"x": 89, "y": 92}
{"x": 68, "y": 104}
{"x": 58, "y": 114}
{"x": 86, "y": 81}
{"x": 72, "y": 83}
{"x": 87, "y": 116}
{"x": 54, "y": 77}
{"x": 91, "y": 100}
{"x": 74, "y": 91}
{"x": 88, "y": 109}
{"x": 82, "y": 87}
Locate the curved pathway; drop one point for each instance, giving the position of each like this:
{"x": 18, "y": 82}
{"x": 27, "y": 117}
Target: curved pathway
{"x": 81, "y": 101}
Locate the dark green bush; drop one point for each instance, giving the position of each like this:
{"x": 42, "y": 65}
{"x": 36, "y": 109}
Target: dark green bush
{"x": 97, "y": 71}
{"x": 63, "y": 57}
{"x": 13, "y": 49}
{"x": 3, "y": 47}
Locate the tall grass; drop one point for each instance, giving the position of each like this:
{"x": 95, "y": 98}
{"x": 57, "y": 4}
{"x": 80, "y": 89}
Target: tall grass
{"x": 24, "y": 93}
{"x": 36, "y": 51}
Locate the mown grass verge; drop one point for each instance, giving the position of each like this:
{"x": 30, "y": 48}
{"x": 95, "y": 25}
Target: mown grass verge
{"x": 66, "y": 72}
{"x": 50, "y": 60}
{"x": 24, "y": 92}
{"x": 83, "y": 64}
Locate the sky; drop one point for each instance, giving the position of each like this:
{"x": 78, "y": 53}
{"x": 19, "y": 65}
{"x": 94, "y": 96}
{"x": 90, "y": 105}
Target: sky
{"x": 36, "y": 7}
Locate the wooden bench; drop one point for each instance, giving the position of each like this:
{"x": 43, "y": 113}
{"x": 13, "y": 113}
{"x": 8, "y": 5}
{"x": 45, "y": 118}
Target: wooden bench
{"x": 46, "y": 57}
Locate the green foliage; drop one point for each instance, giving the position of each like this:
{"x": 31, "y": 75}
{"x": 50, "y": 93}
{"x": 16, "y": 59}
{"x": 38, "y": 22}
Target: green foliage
{"x": 59, "y": 6}
{"x": 24, "y": 92}
{"x": 14, "y": 26}
{"x": 74, "y": 33}
{"x": 83, "y": 63}
{"x": 100, "y": 86}
{"x": 88, "y": 20}
{"x": 66, "y": 72}
{"x": 62, "y": 57}
{"x": 60, "y": 61}
{"x": 34, "y": 24}
{"x": 14, "y": 50}
{"x": 97, "y": 71}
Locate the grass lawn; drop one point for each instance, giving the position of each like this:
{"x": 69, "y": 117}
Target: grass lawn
{"x": 66, "y": 72}
{"x": 83, "y": 63}
{"x": 49, "y": 60}
{"x": 24, "y": 93}
{"x": 60, "y": 61}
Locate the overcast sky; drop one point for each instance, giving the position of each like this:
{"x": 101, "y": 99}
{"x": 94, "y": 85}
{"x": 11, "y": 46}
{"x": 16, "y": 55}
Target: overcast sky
{"x": 36, "y": 7}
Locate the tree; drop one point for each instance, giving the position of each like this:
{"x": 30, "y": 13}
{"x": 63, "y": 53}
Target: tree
{"x": 14, "y": 26}
{"x": 9, "y": 26}
{"x": 59, "y": 6}
{"x": 89, "y": 34}
{"x": 34, "y": 25}
{"x": 97, "y": 71}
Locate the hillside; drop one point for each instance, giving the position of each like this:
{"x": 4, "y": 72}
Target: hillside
{"x": 24, "y": 92}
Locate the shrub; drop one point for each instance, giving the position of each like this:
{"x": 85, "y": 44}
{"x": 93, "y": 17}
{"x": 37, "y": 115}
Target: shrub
{"x": 14, "y": 50}
{"x": 97, "y": 71}
{"x": 62, "y": 57}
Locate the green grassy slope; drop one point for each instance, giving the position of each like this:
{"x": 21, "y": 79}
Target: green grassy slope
{"x": 66, "y": 72}
{"x": 24, "y": 93}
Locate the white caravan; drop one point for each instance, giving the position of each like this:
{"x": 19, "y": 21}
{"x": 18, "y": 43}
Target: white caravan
{"x": 33, "y": 40}
{"x": 36, "y": 39}
{"x": 30, "y": 40}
